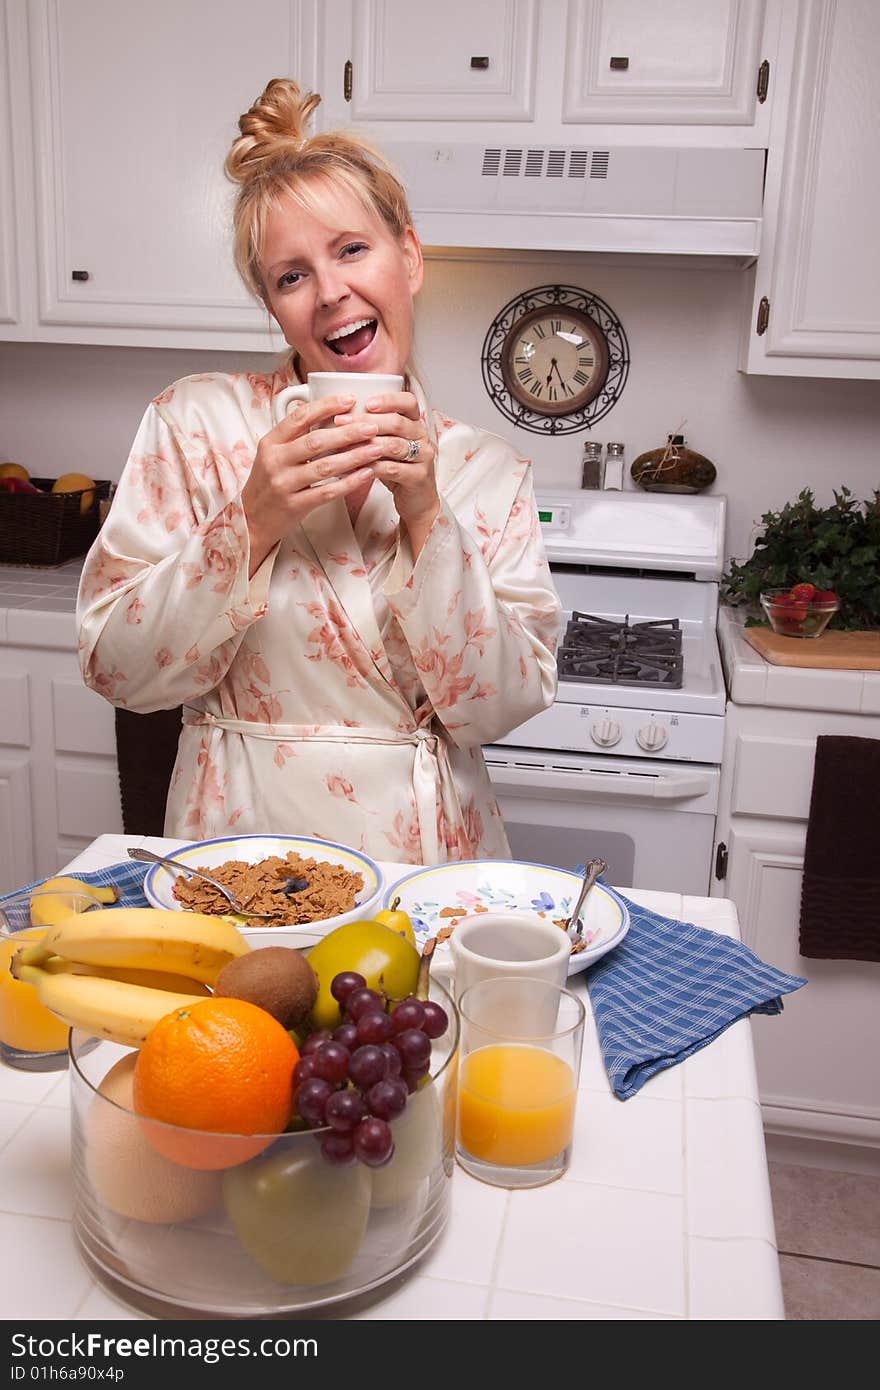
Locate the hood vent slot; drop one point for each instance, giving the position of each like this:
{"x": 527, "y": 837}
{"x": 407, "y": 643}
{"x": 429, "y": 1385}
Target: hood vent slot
{"x": 538, "y": 162}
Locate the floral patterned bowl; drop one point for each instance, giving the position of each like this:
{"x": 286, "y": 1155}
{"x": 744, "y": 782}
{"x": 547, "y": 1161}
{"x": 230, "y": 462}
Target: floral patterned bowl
{"x": 435, "y": 897}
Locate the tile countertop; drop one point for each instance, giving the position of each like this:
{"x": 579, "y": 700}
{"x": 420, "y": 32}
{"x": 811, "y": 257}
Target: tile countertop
{"x": 665, "y": 1211}
{"x": 751, "y": 680}
{"x": 38, "y": 606}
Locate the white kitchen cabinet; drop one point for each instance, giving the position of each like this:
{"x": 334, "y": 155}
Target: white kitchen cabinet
{"x": 817, "y": 1064}
{"x": 816, "y": 304}
{"x": 134, "y": 109}
{"x": 17, "y": 275}
{"x": 632, "y": 71}
{"x": 59, "y": 785}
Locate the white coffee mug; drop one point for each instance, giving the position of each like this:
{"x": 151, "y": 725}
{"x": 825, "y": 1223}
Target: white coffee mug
{"x": 361, "y": 385}
{"x": 509, "y": 945}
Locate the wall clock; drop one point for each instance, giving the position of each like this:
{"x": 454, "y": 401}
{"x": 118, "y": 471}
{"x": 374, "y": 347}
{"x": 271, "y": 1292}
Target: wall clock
{"x": 555, "y": 359}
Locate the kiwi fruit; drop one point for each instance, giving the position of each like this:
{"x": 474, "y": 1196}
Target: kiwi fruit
{"x": 278, "y": 979}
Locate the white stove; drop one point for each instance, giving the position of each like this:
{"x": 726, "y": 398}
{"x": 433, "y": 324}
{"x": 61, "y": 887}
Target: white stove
{"x": 625, "y": 764}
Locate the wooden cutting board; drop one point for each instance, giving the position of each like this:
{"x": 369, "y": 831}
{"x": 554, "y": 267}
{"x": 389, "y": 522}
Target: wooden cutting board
{"x": 834, "y": 651}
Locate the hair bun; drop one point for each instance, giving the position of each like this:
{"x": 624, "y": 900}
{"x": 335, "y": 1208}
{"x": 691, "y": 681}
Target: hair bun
{"x": 273, "y": 127}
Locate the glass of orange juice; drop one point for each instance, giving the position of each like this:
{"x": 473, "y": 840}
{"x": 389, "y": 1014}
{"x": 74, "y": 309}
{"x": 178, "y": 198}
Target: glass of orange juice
{"x": 31, "y": 1038}
{"x": 521, "y": 1044}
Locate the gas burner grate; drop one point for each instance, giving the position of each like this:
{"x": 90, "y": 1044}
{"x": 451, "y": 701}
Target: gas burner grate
{"x": 613, "y": 653}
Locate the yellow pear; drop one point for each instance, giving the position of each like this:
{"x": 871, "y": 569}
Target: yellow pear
{"x": 77, "y": 482}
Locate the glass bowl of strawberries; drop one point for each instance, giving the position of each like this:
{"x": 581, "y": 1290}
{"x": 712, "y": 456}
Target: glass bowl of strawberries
{"x": 801, "y": 611}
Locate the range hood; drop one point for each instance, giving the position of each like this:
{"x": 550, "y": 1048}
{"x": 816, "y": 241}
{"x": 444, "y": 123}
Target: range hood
{"x": 704, "y": 202}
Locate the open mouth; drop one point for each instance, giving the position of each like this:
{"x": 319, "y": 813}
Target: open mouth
{"x": 352, "y": 338}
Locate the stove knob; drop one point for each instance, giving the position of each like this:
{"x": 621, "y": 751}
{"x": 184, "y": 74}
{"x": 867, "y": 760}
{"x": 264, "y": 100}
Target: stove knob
{"x": 652, "y": 738}
{"x": 606, "y": 732}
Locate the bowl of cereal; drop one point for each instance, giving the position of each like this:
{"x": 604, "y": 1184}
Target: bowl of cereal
{"x": 301, "y": 881}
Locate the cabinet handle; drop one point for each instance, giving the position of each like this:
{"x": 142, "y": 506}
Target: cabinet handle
{"x": 763, "y": 81}
{"x": 347, "y": 80}
{"x": 79, "y": 275}
{"x": 721, "y": 862}
{"x": 763, "y": 316}
{"x": 480, "y": 64}
{"x": 619, "y": 64}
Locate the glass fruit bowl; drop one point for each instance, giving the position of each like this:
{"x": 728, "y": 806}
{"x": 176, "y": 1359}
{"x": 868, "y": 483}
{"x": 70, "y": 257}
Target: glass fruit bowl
{"x": 273, "y": 1233}
{"x": 793, "y": 614}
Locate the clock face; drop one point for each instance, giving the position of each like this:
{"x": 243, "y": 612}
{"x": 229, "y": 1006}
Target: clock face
{"x": 555, "y": 359}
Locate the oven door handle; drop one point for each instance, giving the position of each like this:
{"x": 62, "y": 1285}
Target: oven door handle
{"x": 673, "y": 786}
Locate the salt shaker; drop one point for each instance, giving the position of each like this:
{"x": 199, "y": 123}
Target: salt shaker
{"x": 612, "y": 478}
{"x": 591, "y": 468}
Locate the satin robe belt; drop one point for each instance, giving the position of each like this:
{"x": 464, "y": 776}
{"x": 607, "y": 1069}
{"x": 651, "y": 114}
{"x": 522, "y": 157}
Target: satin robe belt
{"x": 432, "y": 781}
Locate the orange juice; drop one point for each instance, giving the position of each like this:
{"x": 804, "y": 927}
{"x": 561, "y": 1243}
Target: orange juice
{"x": 24, "y": 1022}
{"x": 516, "y": 1104}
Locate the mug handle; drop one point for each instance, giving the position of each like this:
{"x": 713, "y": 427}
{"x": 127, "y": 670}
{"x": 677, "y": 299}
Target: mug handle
{"x": 285, "y": 398}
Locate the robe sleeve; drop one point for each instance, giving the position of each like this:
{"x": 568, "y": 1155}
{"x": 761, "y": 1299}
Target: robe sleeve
{"x": 164, "y": 598}
{"x": 481, "y": 617}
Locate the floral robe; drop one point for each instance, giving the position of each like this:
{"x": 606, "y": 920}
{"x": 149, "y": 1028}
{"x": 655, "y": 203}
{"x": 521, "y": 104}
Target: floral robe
{"x": 342, "y": 691}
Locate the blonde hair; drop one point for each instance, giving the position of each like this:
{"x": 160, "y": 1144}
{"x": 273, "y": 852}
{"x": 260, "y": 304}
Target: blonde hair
{"x": 274, "y": 158}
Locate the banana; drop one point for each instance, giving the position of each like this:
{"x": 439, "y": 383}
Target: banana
{"x": 57, "y": 898}
{"x": 142, "y": 938}
{"x": 153, "y": 979}
{"x": 105, "y": 1008}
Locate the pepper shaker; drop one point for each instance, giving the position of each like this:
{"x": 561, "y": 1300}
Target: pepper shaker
{"x": 591, "y": 468}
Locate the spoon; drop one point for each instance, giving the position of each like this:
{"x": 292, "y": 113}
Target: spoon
{"x": 574, "y": 926}
{"x": 148, "y": 857}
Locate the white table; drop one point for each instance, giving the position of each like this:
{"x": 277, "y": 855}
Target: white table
{"x": 664, "y": 1213}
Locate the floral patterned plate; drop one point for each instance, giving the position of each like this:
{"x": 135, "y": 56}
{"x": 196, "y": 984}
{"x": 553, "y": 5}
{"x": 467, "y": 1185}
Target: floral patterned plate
{"x": 435, "y": 897}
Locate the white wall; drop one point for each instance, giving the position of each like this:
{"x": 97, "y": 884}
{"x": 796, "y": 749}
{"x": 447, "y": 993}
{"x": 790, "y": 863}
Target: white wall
{"x": 68, "y": 408}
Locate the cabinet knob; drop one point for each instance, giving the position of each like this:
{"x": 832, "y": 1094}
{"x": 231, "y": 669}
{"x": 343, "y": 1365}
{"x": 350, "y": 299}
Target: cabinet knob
{"x": 480, "y": 64}
{"x": 619, "y": 64}
{"x": 79, "y": 275}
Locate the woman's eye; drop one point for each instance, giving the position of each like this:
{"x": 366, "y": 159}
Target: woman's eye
{"x": 353, "y": 248}
{"x": 290, "y": 277}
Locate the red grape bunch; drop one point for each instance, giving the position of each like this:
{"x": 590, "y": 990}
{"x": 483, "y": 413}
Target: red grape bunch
{"x": 352, "y": 1081}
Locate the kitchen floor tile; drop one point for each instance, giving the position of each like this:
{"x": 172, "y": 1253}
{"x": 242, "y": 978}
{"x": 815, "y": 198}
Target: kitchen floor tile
{"x": 614, "y": 1246}
{"x": 823, "y": 1291}
{"x": 29, "y": 1246}
{"x": 822, "y": 1212}
{"x": 532, "y": 1307}
{"x": 12, "y": 1117}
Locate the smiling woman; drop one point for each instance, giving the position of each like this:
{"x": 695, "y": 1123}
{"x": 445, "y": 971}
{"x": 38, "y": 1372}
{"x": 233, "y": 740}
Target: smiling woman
{"x": 340, "y": 652}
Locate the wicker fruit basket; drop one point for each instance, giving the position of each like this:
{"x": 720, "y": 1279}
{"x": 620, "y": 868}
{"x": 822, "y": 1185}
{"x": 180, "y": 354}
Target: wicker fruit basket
{"x": 50, "y": 527}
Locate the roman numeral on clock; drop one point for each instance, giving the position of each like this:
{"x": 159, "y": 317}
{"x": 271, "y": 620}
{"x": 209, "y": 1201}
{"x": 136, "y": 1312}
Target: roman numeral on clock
{"x": 581, "y": 378}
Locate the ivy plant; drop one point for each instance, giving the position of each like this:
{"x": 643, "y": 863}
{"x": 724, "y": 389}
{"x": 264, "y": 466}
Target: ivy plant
{"x": 836, "y": 547}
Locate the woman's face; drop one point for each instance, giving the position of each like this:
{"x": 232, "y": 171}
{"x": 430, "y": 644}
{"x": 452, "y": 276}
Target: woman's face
{"x": 340, "y": 285}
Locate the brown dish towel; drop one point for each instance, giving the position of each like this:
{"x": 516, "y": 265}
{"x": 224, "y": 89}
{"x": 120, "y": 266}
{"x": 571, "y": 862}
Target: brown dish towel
{"x": 840, "y": 896}
{"x": 146, "y": 747}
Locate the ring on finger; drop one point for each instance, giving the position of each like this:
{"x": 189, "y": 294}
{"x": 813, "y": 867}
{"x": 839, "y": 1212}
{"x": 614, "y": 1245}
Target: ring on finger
{"x": 412, "y": 450}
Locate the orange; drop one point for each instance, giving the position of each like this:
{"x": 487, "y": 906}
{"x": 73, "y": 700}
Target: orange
{"x": 221, "y": 1066}
{"x": 77, "y": 482}
{"x": 14, "y": 470}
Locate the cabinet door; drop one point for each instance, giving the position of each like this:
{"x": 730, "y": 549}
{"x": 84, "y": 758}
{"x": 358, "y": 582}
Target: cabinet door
{"x": 634, "y": 61}
{"x": 418, "y": 62}
{"x": 135, "y": 108}
{"x": 16, "y": 284}
{"x": 817, "y": 1062}
{"x": 816, "y": 308}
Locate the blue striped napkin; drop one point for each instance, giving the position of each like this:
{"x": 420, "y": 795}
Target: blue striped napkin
{"x": 671, "y": 988}
{"x": 128, "y": 878}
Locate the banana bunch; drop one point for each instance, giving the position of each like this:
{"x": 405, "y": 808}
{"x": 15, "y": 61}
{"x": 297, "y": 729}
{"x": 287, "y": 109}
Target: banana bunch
{"x": 117, "y": 972}
{"x": 59, "y": 897}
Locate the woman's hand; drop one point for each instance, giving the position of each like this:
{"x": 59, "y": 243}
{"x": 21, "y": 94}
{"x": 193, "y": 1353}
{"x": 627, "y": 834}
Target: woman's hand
{"x": 302, "y": 450}
{"x": 410, "y": 480}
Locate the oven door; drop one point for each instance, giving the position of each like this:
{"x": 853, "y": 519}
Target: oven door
{"x": 653, "y": 822}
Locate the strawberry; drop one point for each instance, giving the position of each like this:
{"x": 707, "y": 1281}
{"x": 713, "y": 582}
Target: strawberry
{"x": 803, "y": 593}
{"x": 825, "y": 596}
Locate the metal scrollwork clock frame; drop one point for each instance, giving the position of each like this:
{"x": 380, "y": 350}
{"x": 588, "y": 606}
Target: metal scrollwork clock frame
{"x": 548, "y": 297}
